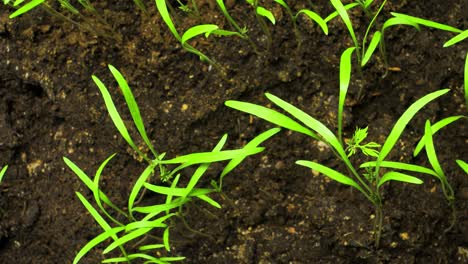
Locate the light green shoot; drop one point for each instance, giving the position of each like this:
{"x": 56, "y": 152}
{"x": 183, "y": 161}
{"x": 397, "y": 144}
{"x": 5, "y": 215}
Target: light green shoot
{"x": 243, "y": 30}
{"x": 26, "y": 7}
{"x": 354, "y": 144}
{"x": 458, "y": 38}
{"x": 3, "y": 172}
{"x": 465, "y": 74}
{"x": 434, "y": 161}
{"x": 427, "y": 23}
{"x": 435, "y": 127}
{"x": 463, "y": 165}
{"x": 195, "y": 31}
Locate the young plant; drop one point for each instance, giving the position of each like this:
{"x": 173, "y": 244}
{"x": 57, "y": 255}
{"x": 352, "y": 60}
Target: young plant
{"x": 2, "y": 172}
{"x": 205, "y": 29}
{"x": 143, "y": 222}
{"x": 369, "y": 183}
{"x": 261, "y": 13}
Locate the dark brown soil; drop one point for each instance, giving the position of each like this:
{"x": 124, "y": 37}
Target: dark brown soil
{"x": 277, "y": 212}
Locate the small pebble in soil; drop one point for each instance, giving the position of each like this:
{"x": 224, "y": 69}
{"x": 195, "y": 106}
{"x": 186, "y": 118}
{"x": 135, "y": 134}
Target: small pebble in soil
{"x": 404, "y": 236}
{"x": 184, "y": 107}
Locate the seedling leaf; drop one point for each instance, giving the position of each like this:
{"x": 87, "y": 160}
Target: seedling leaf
{"x": 96, "y": 241}
{"x": 133, "y": 107}
{"x": 401, "y": 166}
{"x": 266, "y": 13}
{"x": 463, "y": 165}
{"x": 271, "y": 116}
{"x": 115, "y": 116}
{"x": 463, "y": 35}
{"x": 430, "y": 151}
{"x": 400, "y": 125}
{"x": 398, "y": 176}
{"x": 331, "y": 173}
{"x": 344, "y": 16}
{"x": 2, "y": 172}
{"x": 372, "y": 46}
{"x": 162, "y": 8}
{"x": 345, "y": 77}
{"x": 335, "y": 13}
{"x": 25, "y": 8}
{"x": 435, "y": 127}
{"x": 427, "y": 23}
{"x": 315, "y": 17}
{"x": 197, "y": 30}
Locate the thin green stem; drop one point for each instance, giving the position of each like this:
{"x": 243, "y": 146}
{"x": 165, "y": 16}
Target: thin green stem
{"x": 364, "y": 40}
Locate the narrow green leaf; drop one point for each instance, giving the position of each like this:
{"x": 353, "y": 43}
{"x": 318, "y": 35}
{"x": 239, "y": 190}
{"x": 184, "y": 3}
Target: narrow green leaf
{"x": 175, "y": 191}
{"x": 167, "y": 246}
{"x": 132, "y": 106}
{"x": 209, "y": 157}
{"x": 315, "y": 17}
{"x": 99, "y": 219}
{"x": 282, "y": 3}
{"x": 345, "y": 77}
{"x": 228, "y": 16}
{"x": 126, "y": 238}
{"x": 162, "y": 8}
{"x": 2, "y": 172}
{"x": 335, "y": 13}
{"x": 96, "y": 241}
{"x": 114, "y": 114}
{"x": 223, "y": 33}
{"x": 271, "y": 116}
{"x": 435, "y": 127}
{"x": 372, "y": 46}
{"x": 157, "y": 209}
{"x": 172, "y": 258}
{"x": 463, "y": 35}
{"x": 405, "y": 118}
{"x": 368, "y": 3}
{"x": 463, "y": 165}
{"x": 202, "y": 168}
{"x": 430, "y": 151}
{"x": 97, "y": 193}
{"x": 148, "y": 223}
{"x": 25, "y": 8}
{"x": 466, "y": 80}
{"x": 344, "y": 16}
{"x": 401, "y": 166}
{"x": 428, "y": 23}
{"x": 138, "y": 185}
{"x": 266, "y": 13}
{"x": 196, "y": 31}
{"x": 210, "y": 201}
{"x": 331, "y": 173}
{"x": 252, "y": 144}
{"x": 397, "y": 21}
{"x": 312, "y": 123}
{"x": 398, "y": 176}
{"x": 151, "y": 247}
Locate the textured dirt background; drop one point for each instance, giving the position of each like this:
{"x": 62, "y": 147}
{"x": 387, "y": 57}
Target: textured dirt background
{"x": 278, "y": 212}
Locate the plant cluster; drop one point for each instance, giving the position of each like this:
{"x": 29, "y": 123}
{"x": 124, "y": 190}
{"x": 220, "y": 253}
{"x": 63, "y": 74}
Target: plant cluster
{"x": 142, "y": 223}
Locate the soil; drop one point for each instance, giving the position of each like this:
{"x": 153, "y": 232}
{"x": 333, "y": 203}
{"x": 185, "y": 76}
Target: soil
{"x": 273, "y": 211}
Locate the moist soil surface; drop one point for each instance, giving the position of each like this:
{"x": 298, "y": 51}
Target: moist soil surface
{"x": 273, "y": 211}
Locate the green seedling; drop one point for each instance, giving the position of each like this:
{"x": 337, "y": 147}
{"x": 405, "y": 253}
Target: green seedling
{"x": 144, "y": 222}
{"x": 368, "y": 183}
{"x": 2, "y": 172}
{"x": 205, "y": 29}
{"x": 261, "y": 13}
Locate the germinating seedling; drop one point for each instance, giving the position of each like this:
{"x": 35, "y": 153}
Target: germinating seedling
{"x": 143, "y": 222}
{"x": 204, "y": 29}
{"x": 369, "y": 182}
